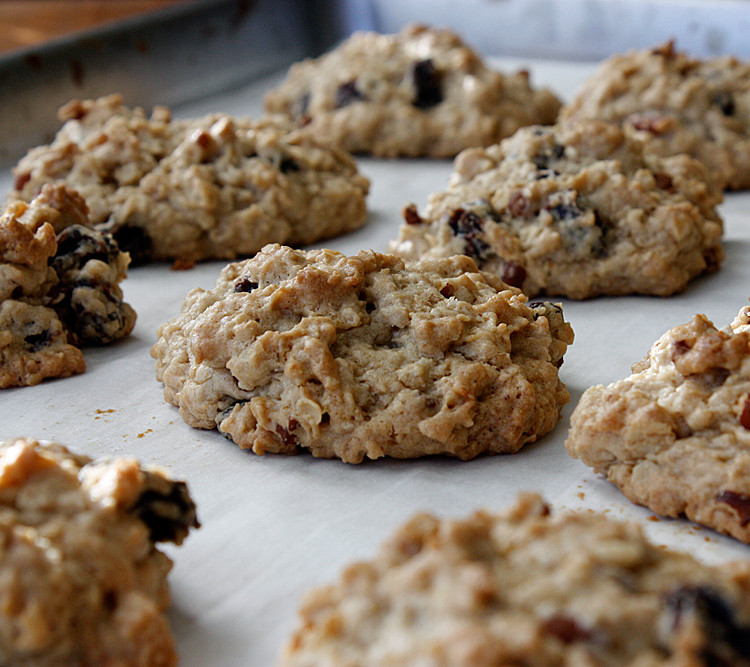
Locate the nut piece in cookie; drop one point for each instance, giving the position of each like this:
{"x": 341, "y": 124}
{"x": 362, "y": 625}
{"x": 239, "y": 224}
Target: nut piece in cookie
{"x": 575, "y": 210}
{"x": 675, "y": 435}
{"x": 525, "y": 587}
{"x": 364, "y": 356}
{"x": 56, "y": 292}
{"x": 672, "y": 103}
{"x": 82, "y": 580}
{"x": 213, "y": 187}
{"x": 421, "y": 92}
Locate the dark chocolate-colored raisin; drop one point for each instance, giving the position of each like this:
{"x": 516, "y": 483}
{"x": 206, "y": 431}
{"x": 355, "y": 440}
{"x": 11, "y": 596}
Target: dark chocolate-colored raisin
{"x": 136, "y": 241}
{"x": 566, "y": 629}
{"x": 427, "y": 83}
{"x": 21, "y": 179}
{"x": 36, "y": 342}
{"x": 520, "y": 206}
{"x": 288, "y": 164}
{"x": 286, "y": 435}
{"x": 347, "y": 93}
{"x": 725, "y": 640}
{"x": 513, "y": 274}
{"x": 169, "y": 515}
{"x": 664, "y": 181}
{"x": 737, "y": 501}
{"x": 745, "y": 415}
{"x": 76, "y": 245}
{"x": 470, "y": 227}
{"x": 244, "y": 284}
{"x": 725, "y": 101}
{"x": 447, "y": 290}
{"x": 411, "y": 217}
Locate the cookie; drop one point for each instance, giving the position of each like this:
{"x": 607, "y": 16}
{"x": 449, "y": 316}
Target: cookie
{"x": 214, "y": 187}
{"x": 364, "y": 356}
{"x": 82, "y": 580}
{"x": 421, "y": 92}
{"x": 574, "y": 210}
{"x": 57, "y": 291}
{"x": 525, "y": 587}
{"x": 675, "y": 435}
{"x": 673, "y": 103}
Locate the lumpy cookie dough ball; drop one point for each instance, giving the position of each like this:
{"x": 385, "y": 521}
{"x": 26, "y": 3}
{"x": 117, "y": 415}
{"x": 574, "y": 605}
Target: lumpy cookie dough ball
{"x": 675, "y": 435}
{"x": 57, "y": 291}
{"x": 81, "y": 580}
{"x": 673, "y": 103}
{"x": 421, "y": 92}
{"x": 575, "y": 210}
{"x": 364, "y": 356}
{"x": 525, "y": 587}
{"x": 213, "y": 187}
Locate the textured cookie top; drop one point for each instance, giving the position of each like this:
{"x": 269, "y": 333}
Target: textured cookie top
{"x": 82, "y": 583}
{"x": 673, "y": 103}
{"x": 574, "y": 210}
{"x": 56, "y": 291}
{"x": 675, "y": 435}
{"x": 364, "y": 356}
{"x": 525, "y": 587}
{"x": 419, "y": 92}
{"x": 194, "y": 189}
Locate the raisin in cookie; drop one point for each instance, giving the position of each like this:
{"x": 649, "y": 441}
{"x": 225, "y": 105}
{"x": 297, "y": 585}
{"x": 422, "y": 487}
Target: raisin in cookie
{"x": 526, "y": 587}
{"x": 364, "y": 356}
{"x": 82, "y": 582}
{"x": 573, "y": 210}
{"x": 56, "y": 291}
{"x": 421, "y": 92}
{"x": 188, "y": 190}
{"x": 675, "y": 435}
{"x": 673, "y": 104}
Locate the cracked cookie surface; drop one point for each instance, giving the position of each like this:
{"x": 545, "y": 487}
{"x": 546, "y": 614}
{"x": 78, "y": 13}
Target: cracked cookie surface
{"x": 574, "y": 210}
{"x": 82, "y": 581}
{"x": 364, "y": 356}
{"x": 673, "y": 103}
{"x": 421, "y": 92}
{"x": 525, "y": 587}
{"x": 675, "y": 435}
{"x": 213, "y": 187}
{"x": 57, "y": 291}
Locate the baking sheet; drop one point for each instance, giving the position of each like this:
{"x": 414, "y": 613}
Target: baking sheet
{"x": 275, "y": 526}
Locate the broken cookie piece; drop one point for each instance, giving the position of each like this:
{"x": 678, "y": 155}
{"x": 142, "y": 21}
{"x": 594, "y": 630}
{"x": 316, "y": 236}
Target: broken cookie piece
{"x": 364, "y": 356}
{"x": 82, "y": 580}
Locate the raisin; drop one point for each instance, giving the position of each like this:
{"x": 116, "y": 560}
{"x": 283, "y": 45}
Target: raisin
{"x": 519, "y": 206}
{"x": 411, "y": 217}
{"x": 346, "y": 94}
{"x": 679, "y": 347}
{"x": 565, "y": 211}
{"x": 725, "y": 101}
{"x": 664, "y": 181}
{"x": 286, "y": 435}
{"x": 737, "y": 501}
{"x": 724, "y": 640}
{"x": 244, "y": 284}
{"x": 17, "y": 292}
{"x": 288, "y": 164}
{"x": 21, "y": 180}
{"x": 428, "y": 84}
{"x": 513, "y": 274}
{"x": 36, "y": 342}
{"x": 136, "y": 241}
{"x": 745, "y": 416}
{"x": 566, "y": 629}
{"x": 470, "y": 226}
{"x": 167, "y": 515}
{"x": 76, "y": 245}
